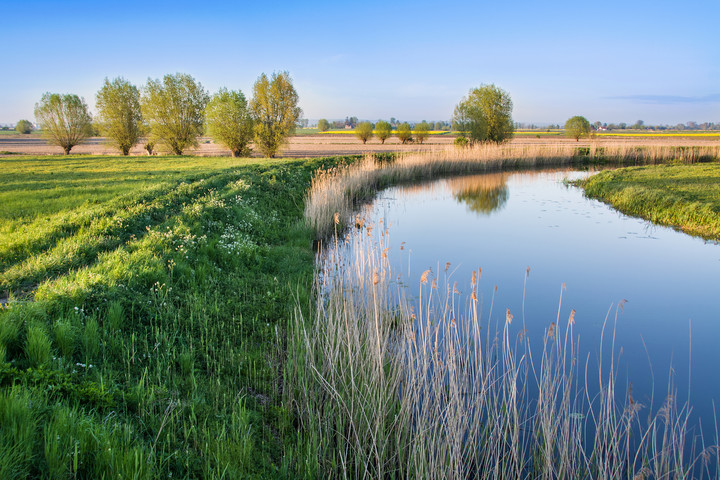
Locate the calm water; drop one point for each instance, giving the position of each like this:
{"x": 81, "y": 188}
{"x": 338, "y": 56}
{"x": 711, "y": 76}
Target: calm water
{"x": 506, "y": 223}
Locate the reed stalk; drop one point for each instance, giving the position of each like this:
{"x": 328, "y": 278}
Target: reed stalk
{"x": 390, "y": 387}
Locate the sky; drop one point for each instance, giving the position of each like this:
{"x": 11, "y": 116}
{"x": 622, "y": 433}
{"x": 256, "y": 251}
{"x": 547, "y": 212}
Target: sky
{"x": 610, "y": 61}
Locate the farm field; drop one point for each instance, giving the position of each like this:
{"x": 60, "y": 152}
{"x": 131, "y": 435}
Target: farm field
{"x": 143, "y": 301}
{"x": 331, "y": 144}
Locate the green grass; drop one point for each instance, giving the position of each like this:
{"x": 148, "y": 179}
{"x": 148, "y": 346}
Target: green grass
{"x": 686, "y": 197}
{"x": 147, "y": 299}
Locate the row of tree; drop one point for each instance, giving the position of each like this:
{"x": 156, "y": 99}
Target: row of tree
{"x": 323, "y": 125}
{"x": 175, "y": 112}
{"x": 383, "y": 130}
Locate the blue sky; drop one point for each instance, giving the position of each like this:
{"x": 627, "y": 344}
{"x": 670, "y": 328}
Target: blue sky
{"x": 610, "y": 61}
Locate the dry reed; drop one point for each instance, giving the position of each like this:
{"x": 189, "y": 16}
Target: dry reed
{"x": 386, "y": 388}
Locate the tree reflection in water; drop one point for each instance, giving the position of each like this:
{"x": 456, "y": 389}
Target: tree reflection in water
{"x": 483, "y": 194}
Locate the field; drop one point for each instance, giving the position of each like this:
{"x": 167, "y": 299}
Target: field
{"x": 143, "y": 300}
{"x": 308, "y": 145}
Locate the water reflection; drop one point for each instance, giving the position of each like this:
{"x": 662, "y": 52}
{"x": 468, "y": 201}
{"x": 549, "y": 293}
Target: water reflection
{"x": 482, "y": 194}
{"x": 602, "y": 256}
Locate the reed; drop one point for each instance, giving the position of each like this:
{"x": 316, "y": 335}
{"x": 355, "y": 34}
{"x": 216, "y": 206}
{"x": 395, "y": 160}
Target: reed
{"x": 340, "y": 189}
{"x": 386, "y": 387}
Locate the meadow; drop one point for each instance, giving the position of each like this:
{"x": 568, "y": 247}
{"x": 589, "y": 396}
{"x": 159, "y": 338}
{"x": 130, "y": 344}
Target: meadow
{"x": 143, "y": 306}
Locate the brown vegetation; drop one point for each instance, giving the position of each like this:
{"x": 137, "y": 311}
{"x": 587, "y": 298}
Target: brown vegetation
{"x": 307, "y": 146}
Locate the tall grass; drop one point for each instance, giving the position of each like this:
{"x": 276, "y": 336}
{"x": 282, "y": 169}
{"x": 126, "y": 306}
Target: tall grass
{"x": 386, "y": 387}
{"x": 339, "y": 190}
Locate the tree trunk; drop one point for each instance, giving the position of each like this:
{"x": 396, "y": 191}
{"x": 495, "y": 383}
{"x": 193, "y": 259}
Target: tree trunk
{"x": 67, "y": 149}
{"x": 235, "y": 153}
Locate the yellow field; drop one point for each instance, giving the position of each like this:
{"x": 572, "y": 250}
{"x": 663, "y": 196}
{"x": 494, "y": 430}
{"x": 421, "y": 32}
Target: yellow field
{"x": 654, "y": 134}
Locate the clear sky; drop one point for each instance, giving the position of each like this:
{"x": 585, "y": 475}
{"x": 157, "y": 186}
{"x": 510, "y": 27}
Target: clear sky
{"x": 612, "y": 61}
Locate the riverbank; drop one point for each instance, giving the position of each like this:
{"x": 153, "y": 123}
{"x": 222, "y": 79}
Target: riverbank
{"x": 685, "y": 197}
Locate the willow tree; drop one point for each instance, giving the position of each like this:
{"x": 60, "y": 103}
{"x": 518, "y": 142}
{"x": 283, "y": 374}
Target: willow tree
{"x": 64, "y": 119}
{"x": 119, "y": 116}
{"x": 24, "y": 127}
{"x": 323, "y": 125}
{"x": 275, "y": 110}
{"x": 174, "y": 110}
{"x": 364, "y": 131}
{"x": 485, "y": 115}
{"x": 229, "y": 121}
{"x": 404, "y": 133}
{"x": 422, "y": 131}
{"x": 577, "y": 127}
{"x": 383, "y": 130}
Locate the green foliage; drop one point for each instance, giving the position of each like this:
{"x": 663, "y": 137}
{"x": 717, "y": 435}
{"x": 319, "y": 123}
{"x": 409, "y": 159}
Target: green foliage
{"x": 364, "y": 131}
{"x": 64, "y": 120}
{"x": 275, "y": 110}
{"x": 174, "y": 110}
{"x": 422, "y": 131}
{"x": 24, "y": 126}
{"x": 485, "y": 115}
{"x": 229, "y": 122}
{"x": 129, "y": 265}
{"x": 404, "y": 133}
{"x": 383, "y": 130}
{"x": 119, "y": 114}
{"x": 323, "y": 125}
{"x": 37, "y": 346}
{"x": 577, "y": 127}
{"x": 461, "y": 141}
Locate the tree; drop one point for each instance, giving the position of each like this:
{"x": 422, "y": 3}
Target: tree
{"x": 364, "y": 131}
{"x": 577, "y": 127}
{"x": 639, "y": 125}
{"x": 174, "y": 110}
{"x": 485, "y": 115}
{"x": 404, "y": 133}
{"x": 275, "y": 110}
{"x": 119, "y": 115}
{"x": 64, "y": 119}
{"x": 24, "y": 126}
{"x": 383, "y": 130}
{"x": 323, "y": 125}
{"x": 422, "y": 130}
{"x": 229, "y": 121}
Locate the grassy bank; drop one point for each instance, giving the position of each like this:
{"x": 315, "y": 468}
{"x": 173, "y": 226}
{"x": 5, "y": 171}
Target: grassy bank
{"x": 144, "y": 301}
{"x": 686, "y": 197}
